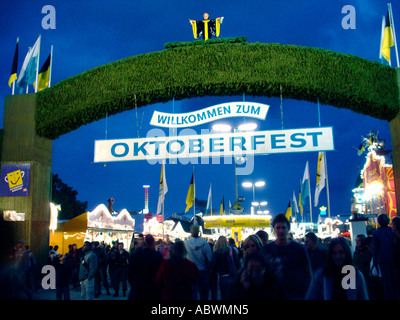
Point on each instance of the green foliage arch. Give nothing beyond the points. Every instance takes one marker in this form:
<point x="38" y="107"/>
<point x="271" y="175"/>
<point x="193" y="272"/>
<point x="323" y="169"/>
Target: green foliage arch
<point x="222" y="67"/>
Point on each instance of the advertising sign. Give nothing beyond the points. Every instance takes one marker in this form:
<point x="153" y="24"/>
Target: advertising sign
<point x="15" y="180"/>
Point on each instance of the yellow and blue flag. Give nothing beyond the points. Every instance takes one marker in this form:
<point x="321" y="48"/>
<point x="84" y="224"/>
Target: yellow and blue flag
<point x="13" y="75"/>
<point x="387" y="39"/>
<point x="190" y="195"/>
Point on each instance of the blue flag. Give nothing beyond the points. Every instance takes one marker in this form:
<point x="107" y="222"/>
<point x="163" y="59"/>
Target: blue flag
<point x="27" y="75"/>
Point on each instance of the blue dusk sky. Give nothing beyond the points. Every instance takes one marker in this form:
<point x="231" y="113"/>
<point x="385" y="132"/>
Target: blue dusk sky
<point x="89" y="34"/>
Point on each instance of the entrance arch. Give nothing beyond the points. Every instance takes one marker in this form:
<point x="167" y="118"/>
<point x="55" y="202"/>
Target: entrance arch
<point x="218" y="69"/>
<point x="196" y="69"/>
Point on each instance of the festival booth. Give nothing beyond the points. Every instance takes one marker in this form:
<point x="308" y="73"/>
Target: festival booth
<point x="107" y="227"/>
<point x="179" y="227"/>
<point x="69" y="232"/>
<point x="379" y="183"/>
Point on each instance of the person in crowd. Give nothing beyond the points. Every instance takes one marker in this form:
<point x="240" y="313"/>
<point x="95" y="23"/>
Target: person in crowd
<point x="56" y="251"/>
<point x="289" y="260"/>
<point x="73" y="254"/>
<point x="142" y="269"/>
<point x="327" y="283"/>
<point x="87" y="271"/>
<point x="138" y="244"/>
<point x="111" y="262"/>
<point x="121" y="269"/>
<point x="316" y="254"/>
<point x="51" y="250"/>
<point x="199" y="252"/>
<point x="103" y="267"/>
<point x="31" y="269"/>
<point x="159" y="245"/>
<point x="250" y="244"/>
<point x="63" y="266"/>
<point x="211" y="243"/>
<point x="20" y="273"/>
<point x="256" y="281"/>
<point x="164" y="250"/>
<point x="396" y="230"/>
<point x="101" y="273"/>
<point x="224" y="266"/>
<point x="383" y="243"/>
<point x="263" y="236"/>
<point x="177" y="276"/>
<point x="97" y="278"/>
<point x="232" y="244"/>
<point x="362" y="256"/>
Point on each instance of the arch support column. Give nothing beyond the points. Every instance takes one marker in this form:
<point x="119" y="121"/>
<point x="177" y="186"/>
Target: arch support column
<point x="21" y="144"/>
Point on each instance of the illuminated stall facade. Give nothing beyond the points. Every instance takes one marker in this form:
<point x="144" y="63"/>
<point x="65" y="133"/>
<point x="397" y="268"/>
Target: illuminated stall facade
<point x="379" y="184"/>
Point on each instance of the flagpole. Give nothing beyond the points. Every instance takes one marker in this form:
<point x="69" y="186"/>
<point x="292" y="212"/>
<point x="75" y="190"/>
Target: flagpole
<point x="163" y="231"/>
<point x="163" y="174"/>
<point x="211" y="197"/>
<point x="37" y="64"/>
<point x="51" y="66"/>
<point x="194" y="198"/>
<point x="13" y="84"/>
<point x="309" y="188"/>
<point x="382" y="34"/>
<point x="394" y="32"/>
<point x="301" y="208"/>
<point x="327" y="186"/>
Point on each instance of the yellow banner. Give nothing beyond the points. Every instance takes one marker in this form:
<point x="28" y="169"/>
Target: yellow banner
<point x="236" y="221"/>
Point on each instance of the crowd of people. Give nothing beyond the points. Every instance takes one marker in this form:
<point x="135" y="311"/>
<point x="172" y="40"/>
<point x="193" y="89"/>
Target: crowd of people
<point x="196" y="269"/>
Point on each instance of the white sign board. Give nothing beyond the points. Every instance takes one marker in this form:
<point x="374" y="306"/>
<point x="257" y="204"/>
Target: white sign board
<point x="215" y="145"/>
<point x="217" y="112"/>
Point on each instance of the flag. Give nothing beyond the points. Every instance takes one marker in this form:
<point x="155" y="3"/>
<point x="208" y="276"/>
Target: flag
<point x="44" y="75"/>
<point x="13" y="75"/>
<point x="162" y="190"/>
<point x="295" y="207"/>
<point x="320" y="177"/>
<point x="288" y="213"/>
<point x="190" y="195"/>
<point x="300" y="204"/>
<point x="27" y="75"/>
<point x="305" y="189"/>
<point x="387" y="38"/>
<point x="209" y="201"/>
<point x="222" y="209"/>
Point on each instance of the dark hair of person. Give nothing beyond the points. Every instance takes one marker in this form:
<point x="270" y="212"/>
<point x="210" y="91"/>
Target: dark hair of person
<point x="255" y="256"/>
<point x="231" y="241"/>
<point x="177" y="252"/>
<point x="383" y="220"/>
<point x="262" y="234"/>
<point x="362" y="238"/>
<point x="149" y="240"/>
<point x="280" y="218"/>
<point x="396" y="223"/>
<point x="312" y="237"/>
<point x="330" y="267"/>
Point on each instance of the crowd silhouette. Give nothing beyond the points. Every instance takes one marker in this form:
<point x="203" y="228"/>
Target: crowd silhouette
<point x="196" y="269"/>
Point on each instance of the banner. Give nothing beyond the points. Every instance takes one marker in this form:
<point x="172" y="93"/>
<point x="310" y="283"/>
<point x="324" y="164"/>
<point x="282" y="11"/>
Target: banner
<point x="236" y="221"/>
<point x="214" y="145"/>
<point x="217" y="112"/>
<point x="15" y="180"/>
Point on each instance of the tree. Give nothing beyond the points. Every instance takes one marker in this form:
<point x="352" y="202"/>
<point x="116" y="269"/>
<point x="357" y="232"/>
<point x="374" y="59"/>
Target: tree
<point x="65" y="196"/>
